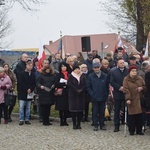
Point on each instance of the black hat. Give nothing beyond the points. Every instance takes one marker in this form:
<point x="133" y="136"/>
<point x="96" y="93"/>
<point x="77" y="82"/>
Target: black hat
<point x="75" y="67"/>
<point x="132" y="58"/>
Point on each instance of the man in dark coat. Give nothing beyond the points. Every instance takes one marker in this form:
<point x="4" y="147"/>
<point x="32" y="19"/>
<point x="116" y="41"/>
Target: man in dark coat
<point x="97" y="87"/>
<point x="88" y="62"/>
<point x="21" y="66"/>
<point x="95" y="54"/>
<point x="25" y="94"/>
<point x="117" y="75"/>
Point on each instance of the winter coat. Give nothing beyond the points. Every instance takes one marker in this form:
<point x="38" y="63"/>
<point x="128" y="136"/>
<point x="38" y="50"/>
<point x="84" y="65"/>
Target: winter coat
<point x="21" y="66"/>
<point x="76" y="100"/>
<point x="4" y="82"/>
<point x="89" y="65"/>
<point x="147" y="82"/>
<point x="98" y="87"/>
<point x="62" y="101"/>
<point x="131" y="93"/>
<point x="116" y="81"/>
<point x="46" y="80"/>
<point x="26" y="82"/>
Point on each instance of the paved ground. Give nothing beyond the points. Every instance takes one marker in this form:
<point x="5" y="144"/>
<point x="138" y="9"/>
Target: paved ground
<point x="39" y="137"/>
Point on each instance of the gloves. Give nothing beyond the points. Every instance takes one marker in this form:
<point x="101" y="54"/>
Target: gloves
<point x="3" y="87"/>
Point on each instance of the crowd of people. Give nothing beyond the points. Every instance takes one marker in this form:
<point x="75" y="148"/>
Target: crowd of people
<point x="72" y="83"/>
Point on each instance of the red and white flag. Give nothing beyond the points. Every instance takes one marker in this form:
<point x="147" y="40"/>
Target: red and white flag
<point x="41" y="56"/>
<point x="146" y="49"/>
<point x="120" y="43"/>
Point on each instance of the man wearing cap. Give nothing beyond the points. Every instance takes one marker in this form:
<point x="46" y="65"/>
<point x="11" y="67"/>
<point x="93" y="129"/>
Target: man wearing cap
<point x="117" y="75"/>
<point x="97" y="87"/>
<point x="88" y="62"/>
<point x="110" y="60"/>
<point x="132" y="61"/>
<point x="95" y="54"/>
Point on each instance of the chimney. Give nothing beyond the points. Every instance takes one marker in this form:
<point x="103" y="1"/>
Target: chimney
<point x="50" y="42"/>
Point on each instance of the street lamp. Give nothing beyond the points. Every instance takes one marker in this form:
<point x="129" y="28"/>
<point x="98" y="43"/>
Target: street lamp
<point x="102" y="48"/>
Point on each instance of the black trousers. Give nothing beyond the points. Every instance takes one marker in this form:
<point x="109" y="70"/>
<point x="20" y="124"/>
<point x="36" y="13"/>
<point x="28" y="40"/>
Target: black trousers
<point x="45" y="109"/>
<point x="5" y="108"/>
<point x="135" y="123"/>
<point x="63" y="115"/>
<point x="77" y="117"/>
<point x="86" y="111"/>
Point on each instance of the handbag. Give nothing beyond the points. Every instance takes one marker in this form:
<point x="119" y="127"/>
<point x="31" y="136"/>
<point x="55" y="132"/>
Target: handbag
<point x="10" y="99"/>
<point x="58" y="92"/>
<point x="106" y="112"/>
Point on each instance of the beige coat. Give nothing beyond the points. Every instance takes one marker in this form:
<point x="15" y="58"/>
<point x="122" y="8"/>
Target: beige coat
<point x="131" y="93"/>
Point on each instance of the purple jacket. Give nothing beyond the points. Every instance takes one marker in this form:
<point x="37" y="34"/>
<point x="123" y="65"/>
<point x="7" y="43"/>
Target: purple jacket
<point x="4" y="82"/>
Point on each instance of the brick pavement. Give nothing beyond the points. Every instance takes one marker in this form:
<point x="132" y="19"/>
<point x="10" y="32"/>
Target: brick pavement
<point x="39" y="137"/>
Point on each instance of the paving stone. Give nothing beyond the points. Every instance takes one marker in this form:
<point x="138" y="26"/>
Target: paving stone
<point x="39" y="137"/>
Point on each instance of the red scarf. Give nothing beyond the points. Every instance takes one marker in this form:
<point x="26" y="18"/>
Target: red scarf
<point x="65" y="73"/>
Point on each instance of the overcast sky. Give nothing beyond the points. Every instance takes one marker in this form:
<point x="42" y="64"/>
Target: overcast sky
<point x="72" y="17"/>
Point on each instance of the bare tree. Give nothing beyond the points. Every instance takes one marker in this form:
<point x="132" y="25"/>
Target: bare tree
<point x="27" y="5"/>
<point x="6" y="23"/>
<point x="5" y="27"/>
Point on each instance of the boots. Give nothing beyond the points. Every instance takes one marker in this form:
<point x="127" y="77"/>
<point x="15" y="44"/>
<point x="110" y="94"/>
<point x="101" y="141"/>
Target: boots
<point x="61" y="122"/>
<point x="78" y="123"/>
<point x="116" y="129"/>
<point x="65" y="122"/>
<point x="9" y="119"/>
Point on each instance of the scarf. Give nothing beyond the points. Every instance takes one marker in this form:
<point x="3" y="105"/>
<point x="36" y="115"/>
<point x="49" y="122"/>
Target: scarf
<point x="65" y="73"/>
<point x="77" y="76"/>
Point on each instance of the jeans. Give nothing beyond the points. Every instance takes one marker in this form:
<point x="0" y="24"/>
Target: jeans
<point x="22" y="104"/>
<point x="98" y="113"/>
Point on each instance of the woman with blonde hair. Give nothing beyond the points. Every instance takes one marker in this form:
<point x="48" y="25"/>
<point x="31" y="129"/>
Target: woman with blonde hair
<point x="70" y="64"/>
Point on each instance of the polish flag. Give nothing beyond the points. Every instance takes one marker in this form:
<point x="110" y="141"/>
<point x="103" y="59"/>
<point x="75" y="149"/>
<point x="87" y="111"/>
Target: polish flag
<point x="41" y="56"/>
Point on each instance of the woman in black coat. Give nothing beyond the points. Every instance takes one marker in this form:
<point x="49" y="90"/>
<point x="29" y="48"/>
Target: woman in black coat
<point x="45" y="84"/>
<point x="62" y="100"/>
<point x="76" y="84"/>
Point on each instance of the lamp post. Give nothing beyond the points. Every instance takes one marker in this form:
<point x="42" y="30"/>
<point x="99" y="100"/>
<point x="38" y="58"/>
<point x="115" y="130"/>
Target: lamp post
<point x="102" y="49"/>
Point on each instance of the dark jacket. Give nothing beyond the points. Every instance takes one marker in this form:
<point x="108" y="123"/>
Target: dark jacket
<point x="147" y="82"/>
<point x="98" y="87"/>
<point x="111" y="63"/>
<point x="26" y="82"/>
<point x="1" y="62"/>
<point x="116" y="81"/>
<point x="46" y="80"/>
<point x="89" y="65"/>
<point x="76" y="100"/>
<point x="21" y="66"/>
<point x="62" y="101"/>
